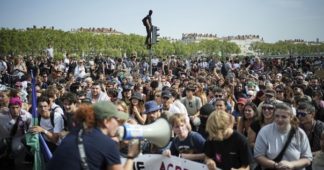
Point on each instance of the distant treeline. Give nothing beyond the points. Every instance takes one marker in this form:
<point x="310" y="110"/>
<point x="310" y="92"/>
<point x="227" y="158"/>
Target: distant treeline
<point x="34" y="41"/>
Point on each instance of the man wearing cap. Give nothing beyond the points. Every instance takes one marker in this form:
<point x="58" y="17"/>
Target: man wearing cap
<point x="126" y="94"/>
<point x="270" y="95"/>
<point x="171" y="103"/>
<point x="95" y="139"/>
<point x="152" y="110"/>
<point x="153" y="113"/>
<point x="13" y="126"/>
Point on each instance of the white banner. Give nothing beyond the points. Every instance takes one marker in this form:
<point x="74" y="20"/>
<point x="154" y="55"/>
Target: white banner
<point x="160" y="162"/>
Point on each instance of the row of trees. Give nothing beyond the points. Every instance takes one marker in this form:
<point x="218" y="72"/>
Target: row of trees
<point x="288" y="48"/>
<point x="35" y="41"/>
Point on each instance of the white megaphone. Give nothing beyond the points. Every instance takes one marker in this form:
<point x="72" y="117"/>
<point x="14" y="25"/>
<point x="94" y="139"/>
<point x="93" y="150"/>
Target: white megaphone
<point x="158" y="132"/>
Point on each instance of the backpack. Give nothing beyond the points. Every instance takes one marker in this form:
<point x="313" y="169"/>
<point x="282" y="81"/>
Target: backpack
<point x="52" y="118"/>
<point x="144" y="21"/>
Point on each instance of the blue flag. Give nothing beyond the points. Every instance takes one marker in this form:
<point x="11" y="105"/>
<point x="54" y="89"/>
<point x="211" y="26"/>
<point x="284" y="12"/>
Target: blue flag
<point x="35" y="140"/>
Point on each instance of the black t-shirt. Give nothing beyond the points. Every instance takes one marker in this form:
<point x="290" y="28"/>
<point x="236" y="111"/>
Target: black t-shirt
<point x="255" y="126"/>
<point x="233" y="152"/>
<point x="101" y="151"/>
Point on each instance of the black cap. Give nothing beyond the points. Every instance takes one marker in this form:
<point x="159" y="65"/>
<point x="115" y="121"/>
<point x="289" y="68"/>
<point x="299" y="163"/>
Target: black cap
<point x="166" y="93"/>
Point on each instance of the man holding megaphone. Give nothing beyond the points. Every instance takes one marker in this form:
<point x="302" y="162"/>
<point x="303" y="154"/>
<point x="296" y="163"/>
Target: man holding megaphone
<point x="93" y="147"/>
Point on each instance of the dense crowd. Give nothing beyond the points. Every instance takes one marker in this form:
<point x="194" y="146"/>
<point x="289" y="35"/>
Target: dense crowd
<point x="242" y="113"/>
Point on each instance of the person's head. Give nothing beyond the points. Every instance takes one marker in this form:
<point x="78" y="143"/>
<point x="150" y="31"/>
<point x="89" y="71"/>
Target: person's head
<point x="269" y="95"/>
<point x="284" y="117"/>
<point x="107" y="117"/>
<point x="121" y="106"/>
<point x="190" y="90"/>
<point x="152" y="110"/>
<point x="51" y="92"/>
<point x="204" y="112"/>
<point x="136" y="99"/>
<point x="43" y="104"/>
<point x="70" y="101"/>
<point x="19" y="85"/>
<point x="95" y="89"/>
<point x="15" y="104"/>
<point x="240" y="104"/>
<point x="267" y="110"/>
<point x="306" y="113"/>
<point x="280" y="92"/>
<point x="220" y="105"/>
<point x="158" y="96"/>
<point x="179" y="125"/>
<point x="250" y="111"/>
<point x="218" y="125"/>
<point x="218" y="93"/>
<point x="127" y="91"/>
<point x="150" y="12"/>
<point x="167" y="99"/>
<point x="4" y="98"/>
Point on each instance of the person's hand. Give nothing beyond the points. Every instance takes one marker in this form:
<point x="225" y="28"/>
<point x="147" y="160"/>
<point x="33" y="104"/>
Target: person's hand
<point x="211" y="164"/>
<point x="285" y="165"/>
<point x="36" y="129"/>
<point x="167" y="153"/>
<point x="134" y="148"/>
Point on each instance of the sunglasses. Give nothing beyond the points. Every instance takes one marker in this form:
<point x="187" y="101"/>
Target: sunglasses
<point x="218" y="95"/>
<point x="18" y="86"/>
<point x="301" y="114"/>
<point x="267" y="108"/>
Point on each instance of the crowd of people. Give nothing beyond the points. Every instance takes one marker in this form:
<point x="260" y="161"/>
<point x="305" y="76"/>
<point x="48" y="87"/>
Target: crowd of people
<point x="235" y="113"/>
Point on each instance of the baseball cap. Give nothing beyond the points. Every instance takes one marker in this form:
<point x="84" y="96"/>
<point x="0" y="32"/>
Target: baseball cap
<point x="166" y="93"/>
<point x="241" y="101"/>
<point x="105" y="109"/>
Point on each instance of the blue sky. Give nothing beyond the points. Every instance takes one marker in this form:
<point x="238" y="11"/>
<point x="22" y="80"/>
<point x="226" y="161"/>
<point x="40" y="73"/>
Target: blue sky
<point x="272" y="19"/>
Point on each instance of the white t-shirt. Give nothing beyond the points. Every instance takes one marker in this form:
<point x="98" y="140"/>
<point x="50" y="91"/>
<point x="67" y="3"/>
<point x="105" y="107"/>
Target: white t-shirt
<point x="58" y="124"/>
<point x="270" y="141"/>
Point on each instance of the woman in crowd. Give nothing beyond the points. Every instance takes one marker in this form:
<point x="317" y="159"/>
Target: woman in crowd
<point x="136" y="108"/>
<point x="250" y="113"/>
<point x="225" y="148"/>
<point x="272" y="138"/>
<point x="265" y="117"/>
<point x="201" y="93"/>
<point x="186" y="143"/>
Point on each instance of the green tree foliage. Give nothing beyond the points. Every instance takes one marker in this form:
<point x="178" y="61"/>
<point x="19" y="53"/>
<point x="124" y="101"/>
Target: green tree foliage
<point x="34" y="41"/>
<point x="288" y="48"/>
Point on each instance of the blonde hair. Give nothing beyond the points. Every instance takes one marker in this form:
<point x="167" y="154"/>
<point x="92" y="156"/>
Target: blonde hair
<point x="217" y="125"/>
<point x="178" y="118"/>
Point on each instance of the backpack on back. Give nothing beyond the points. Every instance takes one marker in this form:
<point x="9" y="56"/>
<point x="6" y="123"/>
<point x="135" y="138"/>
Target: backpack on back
<point x="52" y="118"/>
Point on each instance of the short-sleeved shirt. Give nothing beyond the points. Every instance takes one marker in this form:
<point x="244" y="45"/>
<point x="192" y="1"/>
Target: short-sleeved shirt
<point x="233" y="152"/>
<point x="194" y="143"/>
<point x="270" y="142"/>
<point x="101" y="151"/>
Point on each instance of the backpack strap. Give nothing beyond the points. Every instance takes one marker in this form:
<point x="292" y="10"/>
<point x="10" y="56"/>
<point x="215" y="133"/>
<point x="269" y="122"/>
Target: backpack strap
<point x="52" y="118"/>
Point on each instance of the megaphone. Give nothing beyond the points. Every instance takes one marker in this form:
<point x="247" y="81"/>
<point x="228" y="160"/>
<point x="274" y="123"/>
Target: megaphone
<point x="158" y="132"/>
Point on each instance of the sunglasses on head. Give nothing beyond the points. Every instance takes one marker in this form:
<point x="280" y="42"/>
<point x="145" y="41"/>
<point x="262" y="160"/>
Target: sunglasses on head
<point x="301" y="114"/>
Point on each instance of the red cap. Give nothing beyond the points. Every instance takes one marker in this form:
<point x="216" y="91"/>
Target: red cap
<point x="241" y="101"/>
